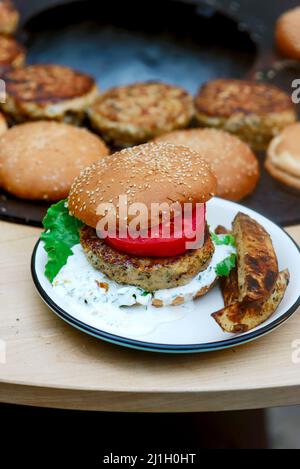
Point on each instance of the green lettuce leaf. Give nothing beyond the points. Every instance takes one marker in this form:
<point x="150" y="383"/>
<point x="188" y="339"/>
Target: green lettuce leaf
<point x="62" y="233"/>
<point x="224" y="268"/>
<point x="227" y="239"/>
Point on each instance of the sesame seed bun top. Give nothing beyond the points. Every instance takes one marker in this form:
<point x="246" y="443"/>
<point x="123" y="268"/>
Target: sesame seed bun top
<point x="225" y="97"/>
<point x="233" y="162"/>
<point x="288" y="33"/>
<point x="150" y="173"/>
<point x="40" y="160"/>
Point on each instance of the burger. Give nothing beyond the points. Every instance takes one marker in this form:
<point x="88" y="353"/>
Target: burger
<point x="133" y="231"/>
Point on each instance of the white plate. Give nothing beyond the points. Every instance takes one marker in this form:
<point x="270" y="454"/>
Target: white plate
<point x="194" y="330"/>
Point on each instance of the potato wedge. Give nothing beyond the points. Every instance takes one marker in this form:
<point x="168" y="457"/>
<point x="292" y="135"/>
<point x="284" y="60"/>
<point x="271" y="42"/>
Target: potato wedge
<point x="242" y="317"/>
<point x="221" y="230"/>
<point x="257" y="261"/>
<point x="229" y="285"/>
<point x="230" y="288"/>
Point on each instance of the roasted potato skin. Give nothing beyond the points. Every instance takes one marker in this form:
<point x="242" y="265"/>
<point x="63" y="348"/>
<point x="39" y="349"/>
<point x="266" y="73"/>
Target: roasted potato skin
<point x="229" y="285"/>
<point x="257" y="260"/>
<point x="221" y="230"/>
<point x="230" y="288"/>
<point x="244" y="316"/>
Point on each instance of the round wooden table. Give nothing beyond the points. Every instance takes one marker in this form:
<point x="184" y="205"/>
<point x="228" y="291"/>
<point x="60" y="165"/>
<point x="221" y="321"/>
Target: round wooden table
<point x="50" y="364"/>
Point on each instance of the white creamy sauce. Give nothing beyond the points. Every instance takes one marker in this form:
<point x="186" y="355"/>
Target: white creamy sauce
<point x="88" y="292"/>
<point x="202" y="280"/>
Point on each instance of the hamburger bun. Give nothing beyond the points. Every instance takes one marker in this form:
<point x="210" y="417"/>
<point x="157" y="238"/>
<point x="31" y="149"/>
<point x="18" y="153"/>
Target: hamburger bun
<point x="9" y="17"/>
<point x="129" y="115"/>
<point x="51" y="92"/>
<point x="255" y="112"/>
<point x="12" y="54"/>
<point x="283" y="157"/>
<point x="150" y="173"/>
<point x="287" y="34"/>
<point x="3" y="125"/>
<point x="234" y="164"/>
<point x="40" y="160"/>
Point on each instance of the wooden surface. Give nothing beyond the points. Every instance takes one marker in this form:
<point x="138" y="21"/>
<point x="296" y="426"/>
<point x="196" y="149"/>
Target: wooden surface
<point x="48" y="363"/>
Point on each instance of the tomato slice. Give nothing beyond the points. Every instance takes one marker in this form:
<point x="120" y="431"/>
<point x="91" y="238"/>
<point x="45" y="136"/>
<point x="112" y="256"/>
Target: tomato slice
<point x="161" y="246"/>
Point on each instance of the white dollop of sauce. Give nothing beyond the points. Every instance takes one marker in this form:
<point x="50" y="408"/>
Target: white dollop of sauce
<point x="118" y="308"/>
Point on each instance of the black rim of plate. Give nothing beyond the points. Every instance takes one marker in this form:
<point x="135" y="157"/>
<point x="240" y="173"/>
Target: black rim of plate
<point x="156" y="347"/>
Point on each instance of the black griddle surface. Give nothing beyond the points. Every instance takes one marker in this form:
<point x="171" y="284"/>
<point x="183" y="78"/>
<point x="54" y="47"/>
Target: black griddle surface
<point x="189" y="47"/>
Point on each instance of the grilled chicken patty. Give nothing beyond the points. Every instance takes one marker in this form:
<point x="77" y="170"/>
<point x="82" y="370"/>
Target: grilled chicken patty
<point x="48" y="92"/>
<point x="133" y="114"/>
<point x="148" y="273"/>
<point x="12" y="54"/>
<point x="255" y="112"/>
